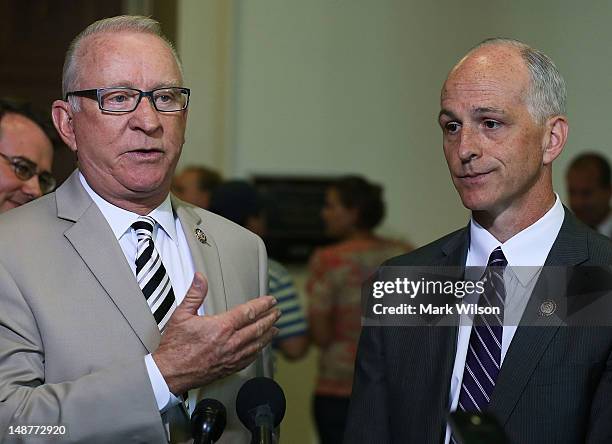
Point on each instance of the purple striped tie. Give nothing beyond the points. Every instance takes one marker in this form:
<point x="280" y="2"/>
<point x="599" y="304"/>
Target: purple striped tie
<point x="483" y="359"/>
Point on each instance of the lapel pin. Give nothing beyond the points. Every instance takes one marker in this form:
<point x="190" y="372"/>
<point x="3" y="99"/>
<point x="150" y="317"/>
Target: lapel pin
<point x="200" y="235"/>
<point x="547" y="307"/>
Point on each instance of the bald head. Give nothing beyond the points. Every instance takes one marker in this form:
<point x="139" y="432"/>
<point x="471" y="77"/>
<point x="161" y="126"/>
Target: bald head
<point x="490" y="70"/>
<point x="546" y="93"/>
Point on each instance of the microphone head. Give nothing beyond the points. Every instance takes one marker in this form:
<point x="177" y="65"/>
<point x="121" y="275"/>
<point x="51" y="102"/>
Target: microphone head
<point x="209" y="416"/>
<point x="258" y="392"/>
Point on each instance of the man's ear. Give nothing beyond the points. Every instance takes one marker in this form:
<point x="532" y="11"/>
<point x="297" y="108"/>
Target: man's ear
<point x="61" y="112"/>
<point x="555" y="137"/>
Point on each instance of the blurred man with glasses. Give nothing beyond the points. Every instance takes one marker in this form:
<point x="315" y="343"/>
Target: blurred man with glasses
<point x="111" y="338"/>
<point x="26" y="155"/>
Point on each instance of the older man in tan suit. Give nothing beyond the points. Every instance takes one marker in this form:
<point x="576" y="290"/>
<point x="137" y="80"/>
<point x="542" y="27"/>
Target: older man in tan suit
<point x="104" y="330"/>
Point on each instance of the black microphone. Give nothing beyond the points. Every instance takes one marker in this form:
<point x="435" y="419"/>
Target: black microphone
<point x="476" y="428"/>
<point x="208" y="421"/>
<point x="260" y="405"/>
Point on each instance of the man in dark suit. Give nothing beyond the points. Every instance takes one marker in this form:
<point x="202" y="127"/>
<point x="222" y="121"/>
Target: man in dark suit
<point x="589" y="190"/>
<point x="503" y="122"/>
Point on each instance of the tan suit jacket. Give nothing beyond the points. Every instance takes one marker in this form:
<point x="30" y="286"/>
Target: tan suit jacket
<point x="74" y="325"/>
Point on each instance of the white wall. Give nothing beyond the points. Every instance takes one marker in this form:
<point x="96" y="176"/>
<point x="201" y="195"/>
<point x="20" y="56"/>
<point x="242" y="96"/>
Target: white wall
<point x="338" y="86"/>
<point x="203" y="42"/>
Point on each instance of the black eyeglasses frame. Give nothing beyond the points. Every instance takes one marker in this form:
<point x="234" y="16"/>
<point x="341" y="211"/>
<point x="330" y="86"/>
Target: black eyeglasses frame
<point x="96" y="94"/>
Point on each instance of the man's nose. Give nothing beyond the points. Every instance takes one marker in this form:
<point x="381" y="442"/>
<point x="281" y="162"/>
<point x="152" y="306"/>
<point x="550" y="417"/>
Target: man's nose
<point x="145" y="117"/>
<point x="469" y="147"/>
<point x="31" y="188"/>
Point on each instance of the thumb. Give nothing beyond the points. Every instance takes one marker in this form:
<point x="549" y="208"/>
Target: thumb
<point x="195" y="295"/>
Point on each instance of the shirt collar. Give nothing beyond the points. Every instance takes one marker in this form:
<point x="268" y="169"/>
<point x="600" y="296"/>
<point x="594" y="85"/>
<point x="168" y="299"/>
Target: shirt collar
<point x="526" y="250"/>
<point x="121" y="220"/>
<point x="605" y="227"/>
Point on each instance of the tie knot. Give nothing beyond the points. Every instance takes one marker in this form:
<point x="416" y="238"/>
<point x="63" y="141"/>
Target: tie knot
<point x="497" y="258"/>
<point x="144" y="226"/>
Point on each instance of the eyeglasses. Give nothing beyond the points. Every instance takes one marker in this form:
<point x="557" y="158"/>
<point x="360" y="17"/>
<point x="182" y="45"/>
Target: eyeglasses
<point x="25" y="169"/>
<point x="125" y="100"/>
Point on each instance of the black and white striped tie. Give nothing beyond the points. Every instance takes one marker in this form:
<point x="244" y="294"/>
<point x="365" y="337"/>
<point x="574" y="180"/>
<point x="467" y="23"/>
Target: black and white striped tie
<point x="151" y="273"/>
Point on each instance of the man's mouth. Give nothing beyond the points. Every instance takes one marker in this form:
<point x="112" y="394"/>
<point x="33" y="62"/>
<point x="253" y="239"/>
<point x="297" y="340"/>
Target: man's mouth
<point x="145" y="150"/>
<point x="473" y="177"/>
<point x="145" y="153"/>
<point x="17" y="203"/>
<point x="473" y="174"/>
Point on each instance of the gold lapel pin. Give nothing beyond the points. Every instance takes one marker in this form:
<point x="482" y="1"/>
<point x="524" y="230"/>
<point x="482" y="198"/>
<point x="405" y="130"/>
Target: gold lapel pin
<point x="547" y="307"/>
<point x="200" y="235"/>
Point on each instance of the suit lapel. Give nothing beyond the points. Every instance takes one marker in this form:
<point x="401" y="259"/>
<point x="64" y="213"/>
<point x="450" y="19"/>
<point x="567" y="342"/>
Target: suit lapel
<point x="205" y="256"/>
<point x="456" y="249"/>
<point x="530" y="341"/>
<point x="94" y="241"/>
<point x="444" y="339"/>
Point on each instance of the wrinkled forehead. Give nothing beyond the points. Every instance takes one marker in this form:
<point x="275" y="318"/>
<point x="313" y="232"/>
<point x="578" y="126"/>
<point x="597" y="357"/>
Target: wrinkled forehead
<point x="127" y="58"/>
<point x="495" y="70"/>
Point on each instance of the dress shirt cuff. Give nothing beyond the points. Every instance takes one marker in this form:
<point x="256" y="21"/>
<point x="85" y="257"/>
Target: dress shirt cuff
<point x="165" y="399"/>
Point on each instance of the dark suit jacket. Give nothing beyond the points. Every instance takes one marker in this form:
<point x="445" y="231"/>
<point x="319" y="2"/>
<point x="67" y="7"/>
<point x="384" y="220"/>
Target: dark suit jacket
<point x="555" y="385"/>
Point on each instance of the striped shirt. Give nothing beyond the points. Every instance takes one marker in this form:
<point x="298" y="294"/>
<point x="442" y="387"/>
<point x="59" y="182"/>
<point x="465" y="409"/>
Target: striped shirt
<point x="292" y="321"/>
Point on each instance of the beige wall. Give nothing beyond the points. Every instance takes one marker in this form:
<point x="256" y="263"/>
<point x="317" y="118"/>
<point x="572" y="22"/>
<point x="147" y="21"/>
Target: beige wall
<point x="204" y="32"/>
<point x="336" y="86"/>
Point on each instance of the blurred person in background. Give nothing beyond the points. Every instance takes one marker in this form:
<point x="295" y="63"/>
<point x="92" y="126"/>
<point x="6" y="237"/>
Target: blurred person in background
<point x="353" y="208"/>
<point x="26" y="155"/>
<point x="195" y="184"/>
<point x="240" y="202"/>
<point x="589" y="188"/>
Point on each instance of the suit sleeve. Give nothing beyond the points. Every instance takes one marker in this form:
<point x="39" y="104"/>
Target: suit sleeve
<point x="264" y="361"/>
<point x="368" y="418"/>
<point x="600" y="422"/>
<point x="115" y="404"/>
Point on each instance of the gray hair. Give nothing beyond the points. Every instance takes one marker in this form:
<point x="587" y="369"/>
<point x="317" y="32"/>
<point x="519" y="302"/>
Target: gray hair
<point x="129" y="23"/>
<point x="547" y="93"/>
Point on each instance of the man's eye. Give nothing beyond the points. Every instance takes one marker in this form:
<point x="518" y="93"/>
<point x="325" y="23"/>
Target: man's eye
<point x="165" y="97"/>
<point x="117" y="98"/>
<point x="23" y="170"/>
<point x="452" y="127"/>
<point x="492" y="124"/>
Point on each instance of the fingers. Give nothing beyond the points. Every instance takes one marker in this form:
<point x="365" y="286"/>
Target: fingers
<point x="195" y="295"/>
<point x="257" y="331"/>
<point x="250" y="350"/>
<point x="248" y="353"/>
<point x="203" y="349"/>
<point x="244" y="314"/>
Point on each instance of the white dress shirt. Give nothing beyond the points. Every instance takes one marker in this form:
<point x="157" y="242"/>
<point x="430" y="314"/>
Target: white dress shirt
<point x="171" y="245"/>
<point x="605" y="227"/>
<point x="527" y="251"/>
